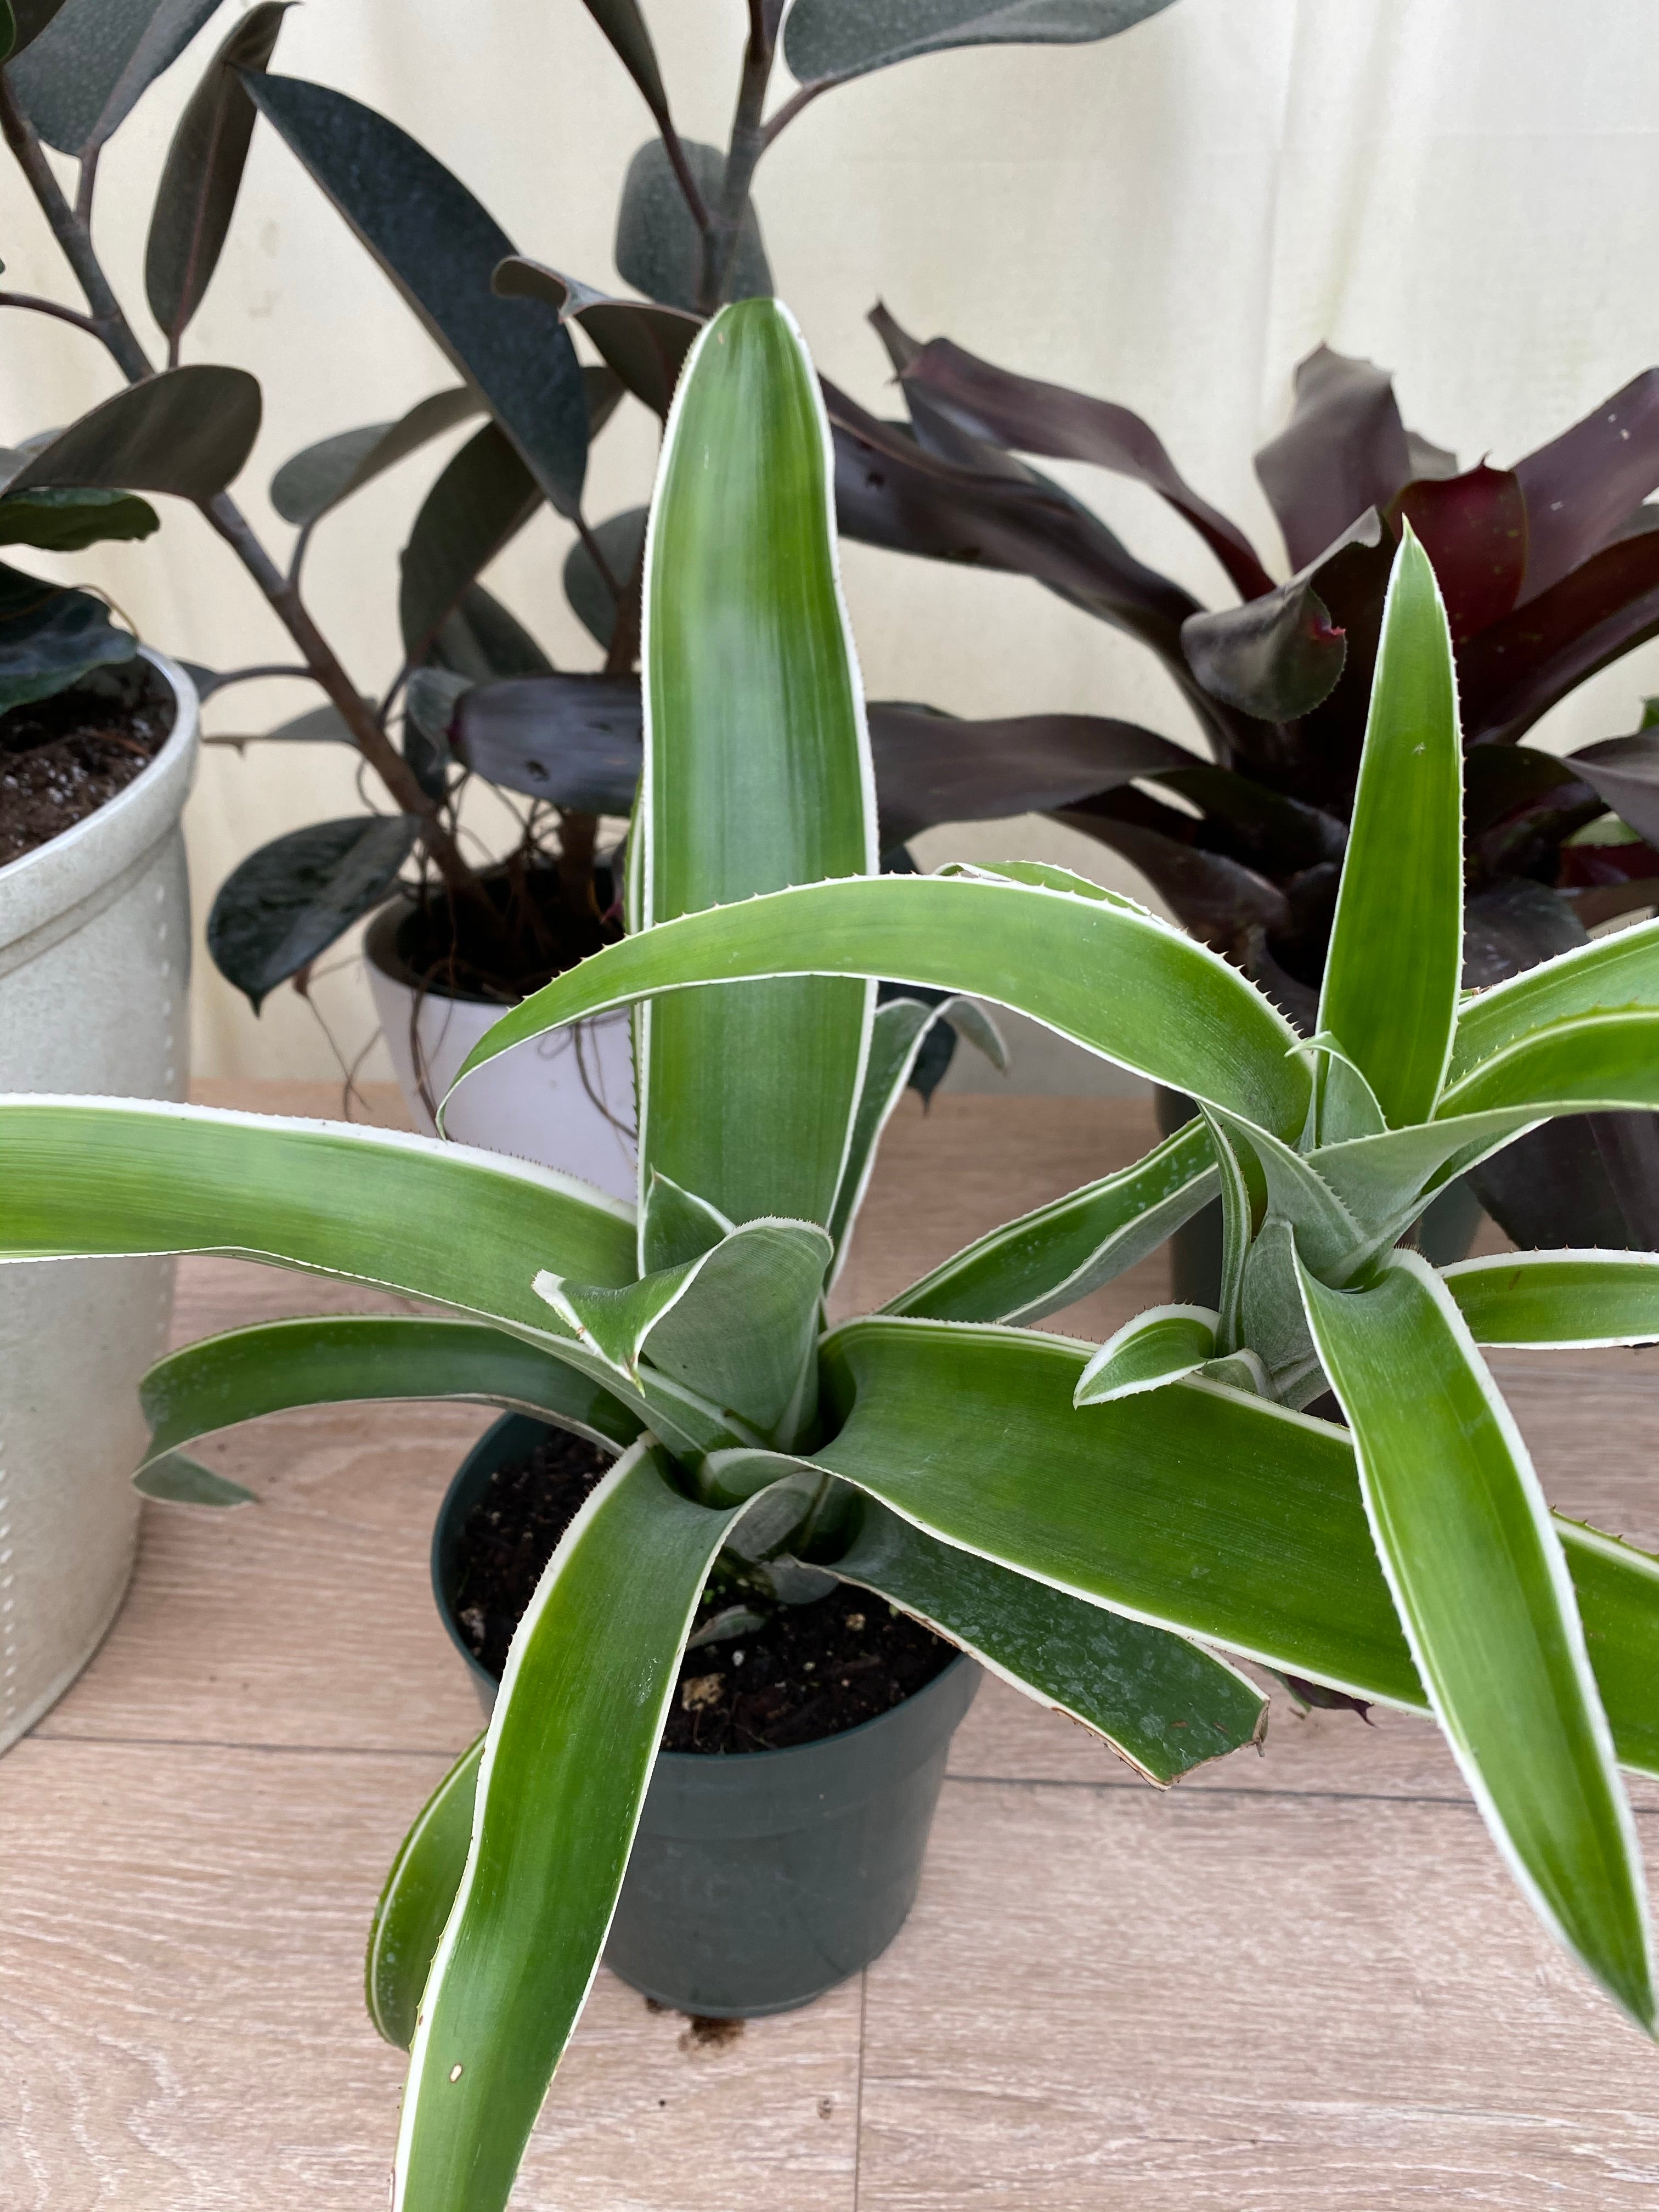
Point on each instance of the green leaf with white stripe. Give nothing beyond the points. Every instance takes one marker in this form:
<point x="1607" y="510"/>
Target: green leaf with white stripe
<point x="1552" y="1300"/>
<point x="1609" y="974"/>
<point x="1050" y="1258"/>
<point x="898" y="1032"/>
<point x="1391" y="976"/>
<point x="676" y="1225"/>
<point x="1573" y="1067"/>
<point x="1385" y="1181"/>
<point x="738" y="1325"/>
<point x="175" y="1479"/>
<point x="1157" y="1347"/>
<point x="1284" y="1185"/>
<point x="1197" y="1509"/>
<point x="334" y="1359"/>
<point x="468" y="1230"/>
<point x="417" y="1899"/>
<point x="757" y="770"/>
<point x="565" y="1767"/>
<point x="1106" y="974"/>
<point x="1484" y="1594"/>
<point x="1158" y="1700"/>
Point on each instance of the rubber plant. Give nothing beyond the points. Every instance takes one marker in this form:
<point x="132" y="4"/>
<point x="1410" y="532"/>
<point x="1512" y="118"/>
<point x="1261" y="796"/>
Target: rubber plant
<point x="1098" y="1525"/>
<point x="474" y="693"/>
<point x="1550" y="570"/>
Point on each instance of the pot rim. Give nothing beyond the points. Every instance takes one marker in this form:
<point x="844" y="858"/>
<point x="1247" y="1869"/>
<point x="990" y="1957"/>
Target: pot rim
<point x="706" y="1760"/>
<point x="50" y="880"/>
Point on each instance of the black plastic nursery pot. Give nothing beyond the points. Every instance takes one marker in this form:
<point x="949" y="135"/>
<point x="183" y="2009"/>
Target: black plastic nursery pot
<point x="761" y="1879"/>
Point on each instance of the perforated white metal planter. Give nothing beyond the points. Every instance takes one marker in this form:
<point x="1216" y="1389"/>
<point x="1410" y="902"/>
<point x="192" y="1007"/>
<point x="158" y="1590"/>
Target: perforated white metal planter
<point x="95" y="968"/>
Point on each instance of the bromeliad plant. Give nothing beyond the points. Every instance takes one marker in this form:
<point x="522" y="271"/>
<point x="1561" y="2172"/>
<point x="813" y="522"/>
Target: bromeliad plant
<point x="1088" y="1522"/>
<point x="1550" y="570"/>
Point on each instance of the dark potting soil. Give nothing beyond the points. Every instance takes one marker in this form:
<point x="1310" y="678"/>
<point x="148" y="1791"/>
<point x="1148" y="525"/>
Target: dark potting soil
<point x="812" y="1671"/>
<point x="61" y="758"/>
<point x="521" y="935"/>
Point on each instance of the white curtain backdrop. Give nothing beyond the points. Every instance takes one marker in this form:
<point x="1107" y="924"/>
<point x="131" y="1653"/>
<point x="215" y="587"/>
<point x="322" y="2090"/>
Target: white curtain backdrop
<point x="1463" y="190"/>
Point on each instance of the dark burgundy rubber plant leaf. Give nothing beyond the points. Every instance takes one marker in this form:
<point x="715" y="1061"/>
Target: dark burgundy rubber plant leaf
<point x="439" y="246"/>
<point x="319" y="477"/>
<point x="1474" y="529"/>
<point x="572" y="739"/>
<point x="1030" y="416"/>
<point x="482" y="499"/>
<point x="485" y="641"/>
<point x="659" y="247"/>
<point x="624" y="25"/>
<point x="644" y="343"/>
<point x="1344" y="450"/>
<point x="828" y="40"/>
<point x="202" y="173"/>
<point x="187" y="431"/>
<point x="1516" y="670"/>
<point x="295" y="896"/>
<point x="1580" y="488"/>
<point x="88" y="64"/>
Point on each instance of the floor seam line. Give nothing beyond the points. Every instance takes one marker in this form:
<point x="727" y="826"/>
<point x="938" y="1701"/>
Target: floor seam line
<point x="234" y="1743"/>
<point x="1233" y="1793"/>
<point x="857" y="2097"/>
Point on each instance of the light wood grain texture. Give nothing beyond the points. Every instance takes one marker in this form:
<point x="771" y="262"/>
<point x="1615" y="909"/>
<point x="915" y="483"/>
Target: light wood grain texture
<point x="182" y="2029"/>
<point x="1300" y="1981"/>
<point x="1192" y="2004"/>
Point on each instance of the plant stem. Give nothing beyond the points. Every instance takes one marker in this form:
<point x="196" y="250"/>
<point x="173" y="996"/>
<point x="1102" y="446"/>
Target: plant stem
<point x="73" y="238"/>
<point x="50" y="308"/>
<point x="676" y="161"/>
<point x="223" y="678"/>
<point x="370" y="739"/>
<point x="109" y="323"/>
<point x="792" y="107"/>
<point x="720" y="244"/>
<point x="577" y="834"/>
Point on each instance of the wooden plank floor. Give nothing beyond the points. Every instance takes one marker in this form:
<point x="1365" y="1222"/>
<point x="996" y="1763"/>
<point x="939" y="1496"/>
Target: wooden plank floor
<point x="1299" y="1981"/>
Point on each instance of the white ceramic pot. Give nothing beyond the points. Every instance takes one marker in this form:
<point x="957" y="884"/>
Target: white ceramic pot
<point x="95" y="968"/>
<point x="565" y="1101"/>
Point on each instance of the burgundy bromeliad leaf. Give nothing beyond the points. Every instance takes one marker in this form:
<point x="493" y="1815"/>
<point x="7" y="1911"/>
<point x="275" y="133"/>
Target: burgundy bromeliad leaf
<point x="1474" y="529"/>
<point x="1580" y="488"/>
<point x="932" y="767"/>
<point x="890" y="492"/>
<point x="1624" y="773"/>
<point x="1031" y="416"/>
<point x="1227" y="904"/>
<point x="1277" y="656"/>
<point x="1344" y="450"/>
<point x="1517" y="669"/>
